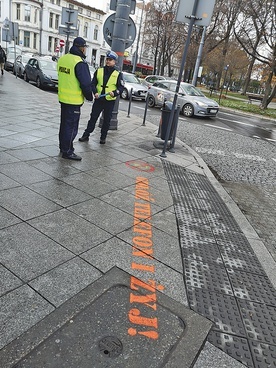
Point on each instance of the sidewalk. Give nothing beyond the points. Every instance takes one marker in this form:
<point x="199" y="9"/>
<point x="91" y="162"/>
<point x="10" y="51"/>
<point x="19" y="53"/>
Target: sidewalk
<point x="124" y="259"/>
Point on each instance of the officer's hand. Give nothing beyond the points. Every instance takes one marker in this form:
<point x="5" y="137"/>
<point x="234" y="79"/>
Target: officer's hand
<point x="96" y="95"/>
<point x="111" y="94"/>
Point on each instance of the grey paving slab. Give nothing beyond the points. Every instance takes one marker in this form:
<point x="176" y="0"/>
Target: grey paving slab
<point x="212" y="357"/>
<point x="8" y="280"/>
<point x="28" y="253"/>
<point x="59" y="192"/>
<point x="20" y="309"/>
<point x="69" y="230"/>
<point x="102" y="214"/>
<point x="166" y="248"/>
<point x="53" y="166"/>
<point x="110" y="176"/>
<point x="26" y="154"/>
<point x="7" y="218"/>
<point x="25" y="203"/>
<point x="23" y="173"/>
<point x="80" y="332"/>
<point x="6" y="182"/>
<point x="119" y="253"/>
<point x="89" y="184"/>
<point x="65" y="281"/>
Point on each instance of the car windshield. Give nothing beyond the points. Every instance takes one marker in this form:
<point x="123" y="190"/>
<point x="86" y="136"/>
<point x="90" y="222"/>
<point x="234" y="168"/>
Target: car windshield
<point x="191" y="90"/>
<point x="48" y="64"/>
<point x="129" y="78"/>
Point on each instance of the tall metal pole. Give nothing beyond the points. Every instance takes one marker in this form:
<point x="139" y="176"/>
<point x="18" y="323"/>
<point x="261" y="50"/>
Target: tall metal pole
<point x="199" y="55"/>
<point x="118" y="45"/>
<point x="184" y="56"/>
<point x="138" y="40"/>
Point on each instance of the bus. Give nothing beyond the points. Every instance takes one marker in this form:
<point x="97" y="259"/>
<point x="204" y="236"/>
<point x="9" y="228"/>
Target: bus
<point x="141" y="69"/>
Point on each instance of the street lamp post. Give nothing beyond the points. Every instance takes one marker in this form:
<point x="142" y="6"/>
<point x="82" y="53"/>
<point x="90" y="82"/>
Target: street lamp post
<point x="6" y="26"/>
<point x="138" y="40"/>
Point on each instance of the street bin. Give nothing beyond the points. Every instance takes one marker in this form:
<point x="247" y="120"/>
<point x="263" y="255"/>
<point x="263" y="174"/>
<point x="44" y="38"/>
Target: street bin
<point x="166" y="110"/>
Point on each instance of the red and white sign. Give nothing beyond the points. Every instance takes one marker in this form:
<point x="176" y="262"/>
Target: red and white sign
<point x="57" y="49"/>
<point x="61" y="43"/>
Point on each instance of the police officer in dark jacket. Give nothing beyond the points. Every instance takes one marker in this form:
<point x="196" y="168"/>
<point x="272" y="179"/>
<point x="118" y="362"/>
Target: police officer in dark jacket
<point x="107" y="84"/>
<point x="3" y="59"/>
<point x="74" y="84"/>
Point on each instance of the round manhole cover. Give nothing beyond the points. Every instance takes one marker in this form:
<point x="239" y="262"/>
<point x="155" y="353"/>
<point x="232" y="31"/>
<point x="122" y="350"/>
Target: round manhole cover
<point x="110" y="346"/>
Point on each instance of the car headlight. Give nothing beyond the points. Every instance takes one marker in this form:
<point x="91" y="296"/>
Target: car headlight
<point x="201" y="104"/>
<point x="46" y="76"/>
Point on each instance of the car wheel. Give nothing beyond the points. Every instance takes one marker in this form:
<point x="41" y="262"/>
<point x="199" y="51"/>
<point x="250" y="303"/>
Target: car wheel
<point x="188" y="110"/>
<point x="26" y="79"/>
<point x="151" y="101"/>
<point x="38" y="82"/>
<point x="124" y="94"/>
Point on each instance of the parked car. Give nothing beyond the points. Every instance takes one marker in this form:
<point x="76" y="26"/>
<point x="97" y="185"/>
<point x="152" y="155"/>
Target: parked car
<point x="12" y="53"/>
<point x="19" y="65"/>
<point x="150" y="79"/>
<point x="43" y="71"/>
<point x="191" y="100"/>
<point x="132" y="82"/>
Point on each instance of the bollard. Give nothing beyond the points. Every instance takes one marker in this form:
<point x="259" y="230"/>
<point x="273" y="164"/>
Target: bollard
<point x="176" y="116"/>
<point x="146" y="109"/>
<point x="129" y="103"/>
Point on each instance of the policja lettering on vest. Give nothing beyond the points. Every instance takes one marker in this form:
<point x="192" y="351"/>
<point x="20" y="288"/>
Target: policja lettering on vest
<point x="107" y="85"/>
<point x="74" y="85"/>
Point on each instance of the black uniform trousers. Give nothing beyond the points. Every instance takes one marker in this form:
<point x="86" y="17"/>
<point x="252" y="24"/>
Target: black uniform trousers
<point x="69" y="124"/>
<point x="99" y="105"/>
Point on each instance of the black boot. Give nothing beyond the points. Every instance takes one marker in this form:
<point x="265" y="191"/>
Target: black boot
<point x="84" y="138"/>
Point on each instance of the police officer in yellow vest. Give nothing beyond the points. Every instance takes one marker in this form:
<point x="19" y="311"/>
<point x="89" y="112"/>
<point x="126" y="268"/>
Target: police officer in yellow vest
<point x="74" y="85"/>
<point x="107" y="84"/>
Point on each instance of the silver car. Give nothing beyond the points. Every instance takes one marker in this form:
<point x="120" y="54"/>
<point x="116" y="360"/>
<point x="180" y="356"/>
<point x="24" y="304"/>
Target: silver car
<point x="43" y="71"/>
<point x="191" y="100"/>
<point x="19" y="64"/>
<point x="132" y="82"/>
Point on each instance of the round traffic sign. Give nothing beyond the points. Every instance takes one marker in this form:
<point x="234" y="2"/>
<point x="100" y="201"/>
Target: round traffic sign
<point x="61" y="43"/>
<point x="108" y="28"/>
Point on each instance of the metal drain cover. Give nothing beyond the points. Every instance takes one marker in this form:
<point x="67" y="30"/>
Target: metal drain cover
<point x="102" y="327"/>
<point x="110" y="346"/>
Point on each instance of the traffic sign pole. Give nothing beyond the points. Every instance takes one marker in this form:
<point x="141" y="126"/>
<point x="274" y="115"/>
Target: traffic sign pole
<point x="118" y="45"/>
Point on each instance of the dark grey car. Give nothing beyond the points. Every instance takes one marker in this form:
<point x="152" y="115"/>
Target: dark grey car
<point x="43" y="71"/>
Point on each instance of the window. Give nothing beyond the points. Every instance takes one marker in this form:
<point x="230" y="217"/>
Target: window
<point x="89" y="13"/>
<point x="26" y="39"/>
<point x="58" y="2"/>
<point x="80" y="10"/>
<point x="35" y="41"/>
<point x="17" y="11"/>
<point x="98" y="16"/>
<point x="96" y="32"/>
<point x="85" y="29"/>
<point x="27" y="16"/>
<point x="52" y="1"/>
<point x="51" y="20"/>
<point x="57" y="21"/>
<point x="35" y="15"/>
<point x="71" y="6"/>
<point x="50" y="42"/>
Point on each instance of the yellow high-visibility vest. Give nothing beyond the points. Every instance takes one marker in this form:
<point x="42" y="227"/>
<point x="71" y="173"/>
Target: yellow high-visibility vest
<point x="69" y="90"/>
<point x="111" y="83"/>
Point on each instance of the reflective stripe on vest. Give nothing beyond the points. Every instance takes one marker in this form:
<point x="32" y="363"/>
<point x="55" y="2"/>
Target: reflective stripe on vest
<point x="69" y="90"/>
<point x="111" y="83"/>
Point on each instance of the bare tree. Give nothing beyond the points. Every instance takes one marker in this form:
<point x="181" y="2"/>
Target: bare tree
<point x="256" y="32"/>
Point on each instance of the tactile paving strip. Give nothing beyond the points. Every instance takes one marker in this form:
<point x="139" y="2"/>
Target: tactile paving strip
<point x="252" y="287"/>
<point x="236" y="347"/>
<point x="207" y="276"/>
<point x="205" y="253"/>
<point x="264" y="355"/>
<point x="240" y="318"/>
<point x="241" y="260"/>
<point x="259" y="321"/>
<point x="220" y="308"/>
